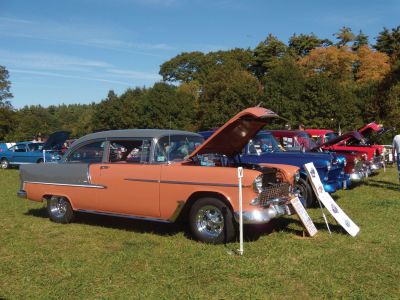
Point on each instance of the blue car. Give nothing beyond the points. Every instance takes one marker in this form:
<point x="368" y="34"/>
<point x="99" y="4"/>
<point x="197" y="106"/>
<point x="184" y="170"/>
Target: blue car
<point x="264" y="148"/>
<point x="33" y="152"/>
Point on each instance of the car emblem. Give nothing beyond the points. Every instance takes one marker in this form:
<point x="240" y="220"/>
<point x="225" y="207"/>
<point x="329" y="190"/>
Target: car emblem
<point x="334" y="208"/>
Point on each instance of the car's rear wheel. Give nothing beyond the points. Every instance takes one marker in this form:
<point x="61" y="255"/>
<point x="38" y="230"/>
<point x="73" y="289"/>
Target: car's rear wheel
<point x="59" y="209"/>
<point x="40" y="161"/>
<point x="5" y="164"/>
<point x="211" y="221"/>
<point x="304" y="191"/>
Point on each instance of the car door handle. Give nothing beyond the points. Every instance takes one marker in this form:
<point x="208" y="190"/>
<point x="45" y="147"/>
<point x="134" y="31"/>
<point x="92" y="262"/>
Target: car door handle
<point x="104" y="167"/>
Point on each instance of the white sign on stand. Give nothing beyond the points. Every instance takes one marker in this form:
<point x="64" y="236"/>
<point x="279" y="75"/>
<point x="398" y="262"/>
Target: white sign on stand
<point x="240" y="176"/>
<point x="304" y="216"/>
<point x="330" y="204"/>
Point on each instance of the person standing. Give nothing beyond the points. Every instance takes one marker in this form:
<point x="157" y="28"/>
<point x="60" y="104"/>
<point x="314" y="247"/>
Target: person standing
<point x="396" y="152"/>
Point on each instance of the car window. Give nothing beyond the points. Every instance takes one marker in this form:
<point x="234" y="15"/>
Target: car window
<point x="130" y="151"/>
<point x="264" y="143"/>
<point x="18" y="148"/>
<point x="89" y="153"/>
<point x="35" y="147"/>
<point x="175" y="148"/>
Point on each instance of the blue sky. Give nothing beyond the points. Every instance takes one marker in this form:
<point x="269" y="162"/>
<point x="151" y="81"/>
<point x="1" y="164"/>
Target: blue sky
<point x="74" y="51"/>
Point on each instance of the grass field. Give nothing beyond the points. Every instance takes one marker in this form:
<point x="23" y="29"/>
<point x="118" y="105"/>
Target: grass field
<point x="105" y="257"/>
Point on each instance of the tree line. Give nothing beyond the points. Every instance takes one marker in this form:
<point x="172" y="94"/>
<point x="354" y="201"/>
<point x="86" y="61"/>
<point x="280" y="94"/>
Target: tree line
<point x="317" y="82"/>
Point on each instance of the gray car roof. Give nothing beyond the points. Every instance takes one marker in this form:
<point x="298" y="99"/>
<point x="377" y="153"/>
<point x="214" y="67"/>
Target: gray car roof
<point x="133" y="133"/>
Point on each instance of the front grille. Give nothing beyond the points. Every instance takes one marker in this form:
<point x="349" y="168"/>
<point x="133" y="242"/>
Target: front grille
<point x="278" y="190"/>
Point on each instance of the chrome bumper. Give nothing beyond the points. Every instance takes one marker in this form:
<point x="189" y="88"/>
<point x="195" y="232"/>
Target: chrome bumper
<point x="263" y="215"/>
<point x="22" y="194"/>
<point x="357" y="176"/>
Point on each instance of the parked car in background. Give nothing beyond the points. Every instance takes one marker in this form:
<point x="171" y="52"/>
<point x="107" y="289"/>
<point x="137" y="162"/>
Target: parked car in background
<point x="163" y="175"/>
<point x="321" y="136"/>
<point x="34" y="152"/>
<point x="357" y="163"/>
<point x="356" y="143"/>
<point x="5" y="146"/>
<point x="264" y="148"/>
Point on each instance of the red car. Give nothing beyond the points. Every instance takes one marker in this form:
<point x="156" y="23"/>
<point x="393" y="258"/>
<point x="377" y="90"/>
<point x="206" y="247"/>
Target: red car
<point x="296" y="140"/>
<point x="364" y="140"/>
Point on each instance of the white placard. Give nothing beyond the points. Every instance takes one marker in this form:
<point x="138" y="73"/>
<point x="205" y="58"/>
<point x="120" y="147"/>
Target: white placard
<point x="240" y="176"/>
<point x="330" y="204"/>
<point x="304" y="216"/>
<point x="339" y="215"/>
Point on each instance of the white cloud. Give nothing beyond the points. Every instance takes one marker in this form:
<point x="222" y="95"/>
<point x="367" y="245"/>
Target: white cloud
<point x="52" y="74"/>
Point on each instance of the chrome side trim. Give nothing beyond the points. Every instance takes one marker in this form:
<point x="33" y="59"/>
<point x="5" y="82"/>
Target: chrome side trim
<point x="184" y="182"/>
<point x="142" y="180"/>
<point x="177" y="211"/>
<point x="200" y="183"/>
<point x="94" y="186"/>
<point x="123" y="216"/>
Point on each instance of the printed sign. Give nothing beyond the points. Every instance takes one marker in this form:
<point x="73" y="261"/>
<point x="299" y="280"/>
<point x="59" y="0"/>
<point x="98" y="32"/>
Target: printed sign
<point x="314" y="176"/>
<point x="330" y="204"/>
<point x="240" y="172"/>
<point x="304" y="216"/>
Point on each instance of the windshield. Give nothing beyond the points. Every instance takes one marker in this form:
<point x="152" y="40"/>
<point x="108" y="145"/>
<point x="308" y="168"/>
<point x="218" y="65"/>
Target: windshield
<point x="299" y="142"/>
<point x="264" y="143"/>
<point x="176" y="148"/>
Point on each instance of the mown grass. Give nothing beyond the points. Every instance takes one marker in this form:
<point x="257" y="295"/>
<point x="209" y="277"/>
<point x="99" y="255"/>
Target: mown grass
<point x="104" y="257"/>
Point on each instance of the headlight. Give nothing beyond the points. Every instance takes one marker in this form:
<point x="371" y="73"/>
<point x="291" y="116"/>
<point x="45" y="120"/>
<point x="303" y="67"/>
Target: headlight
<point x="297" y="176"/>
<point x="329" y="166"/>
<point x="258" y="184"/>
<point x="345" y="162"/>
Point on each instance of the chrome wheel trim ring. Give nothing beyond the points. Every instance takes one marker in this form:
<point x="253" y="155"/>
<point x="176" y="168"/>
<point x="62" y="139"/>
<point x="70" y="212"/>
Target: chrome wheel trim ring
<point x="210" y="221"/>
<point x="58" y="206"/>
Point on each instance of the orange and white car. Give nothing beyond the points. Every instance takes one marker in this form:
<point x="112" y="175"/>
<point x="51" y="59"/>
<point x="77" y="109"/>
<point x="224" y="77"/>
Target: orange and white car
<point x="163" y="175"/>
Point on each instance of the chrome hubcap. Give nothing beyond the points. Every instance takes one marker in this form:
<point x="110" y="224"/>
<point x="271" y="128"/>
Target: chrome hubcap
<point x="4" y="164"/>
<point x="58" y="206"/>
<point x="210" y="221"/>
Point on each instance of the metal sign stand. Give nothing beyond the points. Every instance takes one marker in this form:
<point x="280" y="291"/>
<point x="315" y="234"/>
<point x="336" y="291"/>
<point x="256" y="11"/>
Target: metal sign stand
<point x="240" y="176"/>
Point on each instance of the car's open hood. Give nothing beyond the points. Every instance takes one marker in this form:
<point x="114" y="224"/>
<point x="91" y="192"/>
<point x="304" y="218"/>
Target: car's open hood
<point x="231" y="137"/>
<point x="353" y="135"/>
<point x="373" y="132"/>
<point x="56" y="140"/>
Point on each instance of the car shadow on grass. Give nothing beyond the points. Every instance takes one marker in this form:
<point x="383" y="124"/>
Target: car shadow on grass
<point x="383" y="184"/>
<point x="139" y="226"/>
<point x="285" y="224"/>
<point x="252" y="233"/>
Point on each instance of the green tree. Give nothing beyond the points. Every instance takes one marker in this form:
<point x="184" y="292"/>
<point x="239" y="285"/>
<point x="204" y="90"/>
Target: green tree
<point x="302" y="44"/>
<point x="360" y="40"/>
<point x="184" y="67"/>
<point x="344" y="36"/>
<point x="32" y="120"/>
<point x="388" y="41"/>
<point x="266" y="53"/>
<point x="165" y="106"/>
<point x="5" y="86"/>
<point x="227" y="90"/>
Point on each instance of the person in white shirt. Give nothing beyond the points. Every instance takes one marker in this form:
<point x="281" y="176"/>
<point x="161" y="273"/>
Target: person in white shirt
<point x="396" y="152"/>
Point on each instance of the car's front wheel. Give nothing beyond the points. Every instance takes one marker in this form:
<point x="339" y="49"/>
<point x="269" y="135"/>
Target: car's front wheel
<point x="5" y="164"/>
<point x="59" y="209"/>
<point x="211" y="221"/>
<point x="304" y="191"/>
